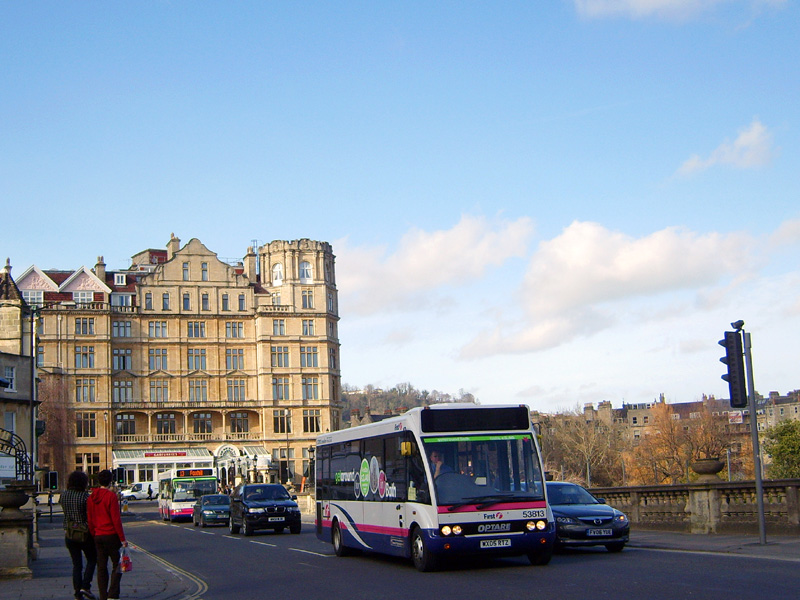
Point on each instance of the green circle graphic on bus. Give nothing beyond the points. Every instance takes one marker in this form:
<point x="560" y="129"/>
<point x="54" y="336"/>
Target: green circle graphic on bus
<point x="364" y="477"/>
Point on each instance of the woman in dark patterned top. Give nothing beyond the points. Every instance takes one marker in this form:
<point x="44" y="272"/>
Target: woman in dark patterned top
<point x="73" y="502"/>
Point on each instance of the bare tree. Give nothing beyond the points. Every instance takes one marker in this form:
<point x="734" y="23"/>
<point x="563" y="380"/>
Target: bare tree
<point x="59" y="427"/>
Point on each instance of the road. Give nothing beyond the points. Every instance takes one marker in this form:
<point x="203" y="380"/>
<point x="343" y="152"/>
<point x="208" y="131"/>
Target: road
<point x="269" y="565"/>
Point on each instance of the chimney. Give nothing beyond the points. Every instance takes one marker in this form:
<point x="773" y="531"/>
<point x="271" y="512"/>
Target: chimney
<point x="100" y="269"/>
<point x="250" y="264"/>
<point x="173" y="245"/>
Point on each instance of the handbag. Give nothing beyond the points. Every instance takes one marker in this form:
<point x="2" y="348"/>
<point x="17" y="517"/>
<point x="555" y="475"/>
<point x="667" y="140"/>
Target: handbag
<point x="77" y="532"/>
<point x="125" y="563"/>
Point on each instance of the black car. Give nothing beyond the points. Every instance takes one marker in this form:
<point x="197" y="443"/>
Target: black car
<point x="263" y="506"/>
<point x="211" y="508"/>
<point x="583" y="520"/>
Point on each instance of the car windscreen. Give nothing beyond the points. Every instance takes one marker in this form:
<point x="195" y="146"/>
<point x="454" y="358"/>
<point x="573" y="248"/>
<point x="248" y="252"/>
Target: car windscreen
<point x="569" y="494"/>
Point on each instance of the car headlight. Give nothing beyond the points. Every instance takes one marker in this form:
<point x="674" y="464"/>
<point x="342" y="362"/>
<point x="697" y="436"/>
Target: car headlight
<point x="566" y="520"/>
<point x="621" y="518"/>
<point x="208" y="512"/>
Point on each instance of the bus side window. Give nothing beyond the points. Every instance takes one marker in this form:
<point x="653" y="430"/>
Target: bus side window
<point x="416" y="475"/>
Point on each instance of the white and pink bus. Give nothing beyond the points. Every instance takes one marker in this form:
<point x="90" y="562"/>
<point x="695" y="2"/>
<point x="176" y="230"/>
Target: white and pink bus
<point x="436" y="482"/>
<point x="179" y="489"/>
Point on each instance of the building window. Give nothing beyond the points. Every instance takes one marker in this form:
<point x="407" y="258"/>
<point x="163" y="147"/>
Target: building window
<point x="282" y="421"/>
<point x="234" y="329"/>
<point x="277" y="274"/>
<point x="204" y="271"/>
<point x="234" y="359"/>
<point x="196" y="359"/>
<point x="332" y="358"/>
<point x="33" y="297"/>
<point x="10" y="374"/>
<point x="126" y="425"/>
<point x="88" y="463"/>
<point x="123" y="391"/>
<point x="308" y="356"/>
<point x="187" y="303"/>
<point x="310" y="388"/>
<point x="308" y="326"/>
<point x="165" y="423"/>
<point x="165" y="301"/>
<point x="242" y="305"/>
<point x="280" y="388"/>
<point x="330" y="302"/>
<point x="157" y="359"/>
<point x="83" y="298"/>
<point x="121" y="359"/>
<point x="225" y="302"/>
<point x="86" y="425"/>
<point x="278" y="326"/>
<point x="236" y="390"/>
<point x="202" y="423"/>
<point x="186" y="271"/>
<point x="311" y="421"/>
<point x="40" y="356"/>
<point x="121" y="329"/>
<point x="276" y="298"/>
<point x="84" y="357"/>
<point x="158" y="329"/>
<point x="305" y="272"/>
<point x="159" y="390"/>
<point x="239" y="422"/>
<point x="204" y="302"/>
<point x="84" y="326"/>
<point x="120" y="279"/>
<point x="148" y="301"/>
<point x="634" y="420"/>
<point x="308" y="298"/>
<point x="121" y="300"/>
<point x="198" y="390"/>
<point x="280" y="356"/>
<point x="646" y="420"/>
<point x="197" y="329"/>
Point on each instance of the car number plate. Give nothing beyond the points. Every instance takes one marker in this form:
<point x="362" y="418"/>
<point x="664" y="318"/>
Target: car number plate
<point x="276" y="518"/>
<point x="502" y="543"/>
<point x="598" y="532"/>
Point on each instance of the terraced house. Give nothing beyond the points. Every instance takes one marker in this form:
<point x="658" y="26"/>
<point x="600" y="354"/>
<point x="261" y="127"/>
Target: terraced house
<point x="184" y="360"/>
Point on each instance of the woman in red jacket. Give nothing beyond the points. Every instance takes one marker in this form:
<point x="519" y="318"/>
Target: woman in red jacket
<point x="105" y="525"/>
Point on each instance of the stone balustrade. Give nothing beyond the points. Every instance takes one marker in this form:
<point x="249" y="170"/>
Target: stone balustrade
<point x="713" y="507"/>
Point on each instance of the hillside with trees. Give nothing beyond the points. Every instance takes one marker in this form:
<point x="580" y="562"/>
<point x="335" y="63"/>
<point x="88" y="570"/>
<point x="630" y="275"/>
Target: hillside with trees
<point x="400" y="398"/>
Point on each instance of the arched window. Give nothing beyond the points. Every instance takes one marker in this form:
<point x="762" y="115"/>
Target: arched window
<point x="305" y="272"/>
<point x="277" y="274"/>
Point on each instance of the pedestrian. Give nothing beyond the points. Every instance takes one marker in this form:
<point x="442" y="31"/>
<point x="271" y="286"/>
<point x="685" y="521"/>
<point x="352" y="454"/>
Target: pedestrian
<point x="77" y="538"/>
<point x="105" y="525"/>
<point x="149" y="492"/>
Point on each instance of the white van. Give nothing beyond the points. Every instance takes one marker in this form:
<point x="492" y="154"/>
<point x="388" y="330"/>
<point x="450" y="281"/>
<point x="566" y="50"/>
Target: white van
<point x="138" y="491"/>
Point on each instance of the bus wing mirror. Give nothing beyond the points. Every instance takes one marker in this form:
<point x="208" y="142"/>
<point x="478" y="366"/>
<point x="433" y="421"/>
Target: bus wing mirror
<point x="405" y="448"/>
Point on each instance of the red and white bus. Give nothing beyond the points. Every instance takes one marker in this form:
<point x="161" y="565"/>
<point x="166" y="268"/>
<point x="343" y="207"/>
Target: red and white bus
<point x="440" y="481"/>
<point x="179" y="489"/>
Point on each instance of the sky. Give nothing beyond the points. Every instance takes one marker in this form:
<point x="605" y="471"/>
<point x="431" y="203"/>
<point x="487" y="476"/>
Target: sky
<point x="550" y="203"/>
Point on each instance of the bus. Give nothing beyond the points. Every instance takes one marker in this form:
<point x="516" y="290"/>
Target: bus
<point x="436" y="482"/>
<point x="179" y="489"/>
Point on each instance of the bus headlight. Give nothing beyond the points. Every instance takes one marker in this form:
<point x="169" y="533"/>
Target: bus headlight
<point x="530" y="525"/>
<point x="446" y="530"/>
<point x="457" y="529"/>
<point x="541" y="525"/>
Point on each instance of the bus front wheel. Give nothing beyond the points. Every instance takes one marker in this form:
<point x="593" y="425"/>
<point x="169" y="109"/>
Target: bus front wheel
<point x="423" y="559"/>
<point x="338" y="543"/>
<point x="541" y="557"/>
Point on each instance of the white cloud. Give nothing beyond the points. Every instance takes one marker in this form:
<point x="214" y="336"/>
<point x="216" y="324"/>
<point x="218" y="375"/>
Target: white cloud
<point x="752" y="148"/>
<point x="372" y="281"/>
<point x="666" y="9"/>
<point x="574" y="280"/>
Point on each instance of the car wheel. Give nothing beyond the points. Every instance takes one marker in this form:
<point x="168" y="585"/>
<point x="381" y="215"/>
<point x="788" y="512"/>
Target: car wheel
<point x="423" y="559"/>
<point x="296" y="528"/>
<point x="232" y="527"/>
<point x="202" y="521"/>
<point x="336" y="539"/>
<point x="541" y="557"/>
<point x="615" y="546"/>
<point x="247" y="528"/>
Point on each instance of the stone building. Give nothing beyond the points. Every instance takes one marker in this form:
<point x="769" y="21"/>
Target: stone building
<point x="184" y="360"/>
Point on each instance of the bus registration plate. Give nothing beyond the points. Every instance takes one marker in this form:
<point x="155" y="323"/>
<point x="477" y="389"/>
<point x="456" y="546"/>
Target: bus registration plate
<point x="275" y="519"/>
<point x="596" y="532"/>
<point x="501" y="543"/>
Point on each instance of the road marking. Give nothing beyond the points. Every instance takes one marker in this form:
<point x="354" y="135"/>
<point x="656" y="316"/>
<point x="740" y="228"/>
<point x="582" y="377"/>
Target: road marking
<point x="202" y="586"/>
<point x="718" y="553"/>
<point x="232" y="537"/>
<point x="264" y="544"/>
<point x="207" y="533"/>
<point x="310" y="552"/>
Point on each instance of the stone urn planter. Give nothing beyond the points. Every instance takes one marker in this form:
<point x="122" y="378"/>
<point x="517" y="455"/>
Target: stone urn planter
<point x="12" y="497"/>
<point x="707" y="469"/>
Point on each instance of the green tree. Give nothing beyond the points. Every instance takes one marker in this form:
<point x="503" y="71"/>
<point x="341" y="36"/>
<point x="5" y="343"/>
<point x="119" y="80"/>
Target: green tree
<point x="782" y="443"/>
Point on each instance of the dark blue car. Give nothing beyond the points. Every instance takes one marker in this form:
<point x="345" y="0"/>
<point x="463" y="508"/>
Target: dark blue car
<point x="211" y="509"/>
<point x="583" y="520"/>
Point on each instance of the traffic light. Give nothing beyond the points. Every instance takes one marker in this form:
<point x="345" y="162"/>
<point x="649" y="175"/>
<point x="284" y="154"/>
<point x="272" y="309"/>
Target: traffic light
<point x="119" y="475"/>
<point x="735" y="361"/>
<point x="51" y="480"/>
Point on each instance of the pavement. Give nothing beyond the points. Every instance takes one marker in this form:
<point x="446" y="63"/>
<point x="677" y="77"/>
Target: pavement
<point x="154" y="579"/>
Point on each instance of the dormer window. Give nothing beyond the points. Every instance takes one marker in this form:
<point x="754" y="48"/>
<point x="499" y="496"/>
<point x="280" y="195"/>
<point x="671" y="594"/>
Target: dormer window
<point x="119" y="279"/>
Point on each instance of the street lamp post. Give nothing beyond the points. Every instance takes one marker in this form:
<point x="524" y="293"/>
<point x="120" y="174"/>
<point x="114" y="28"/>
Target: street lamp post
<point x="286" y="426"/>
